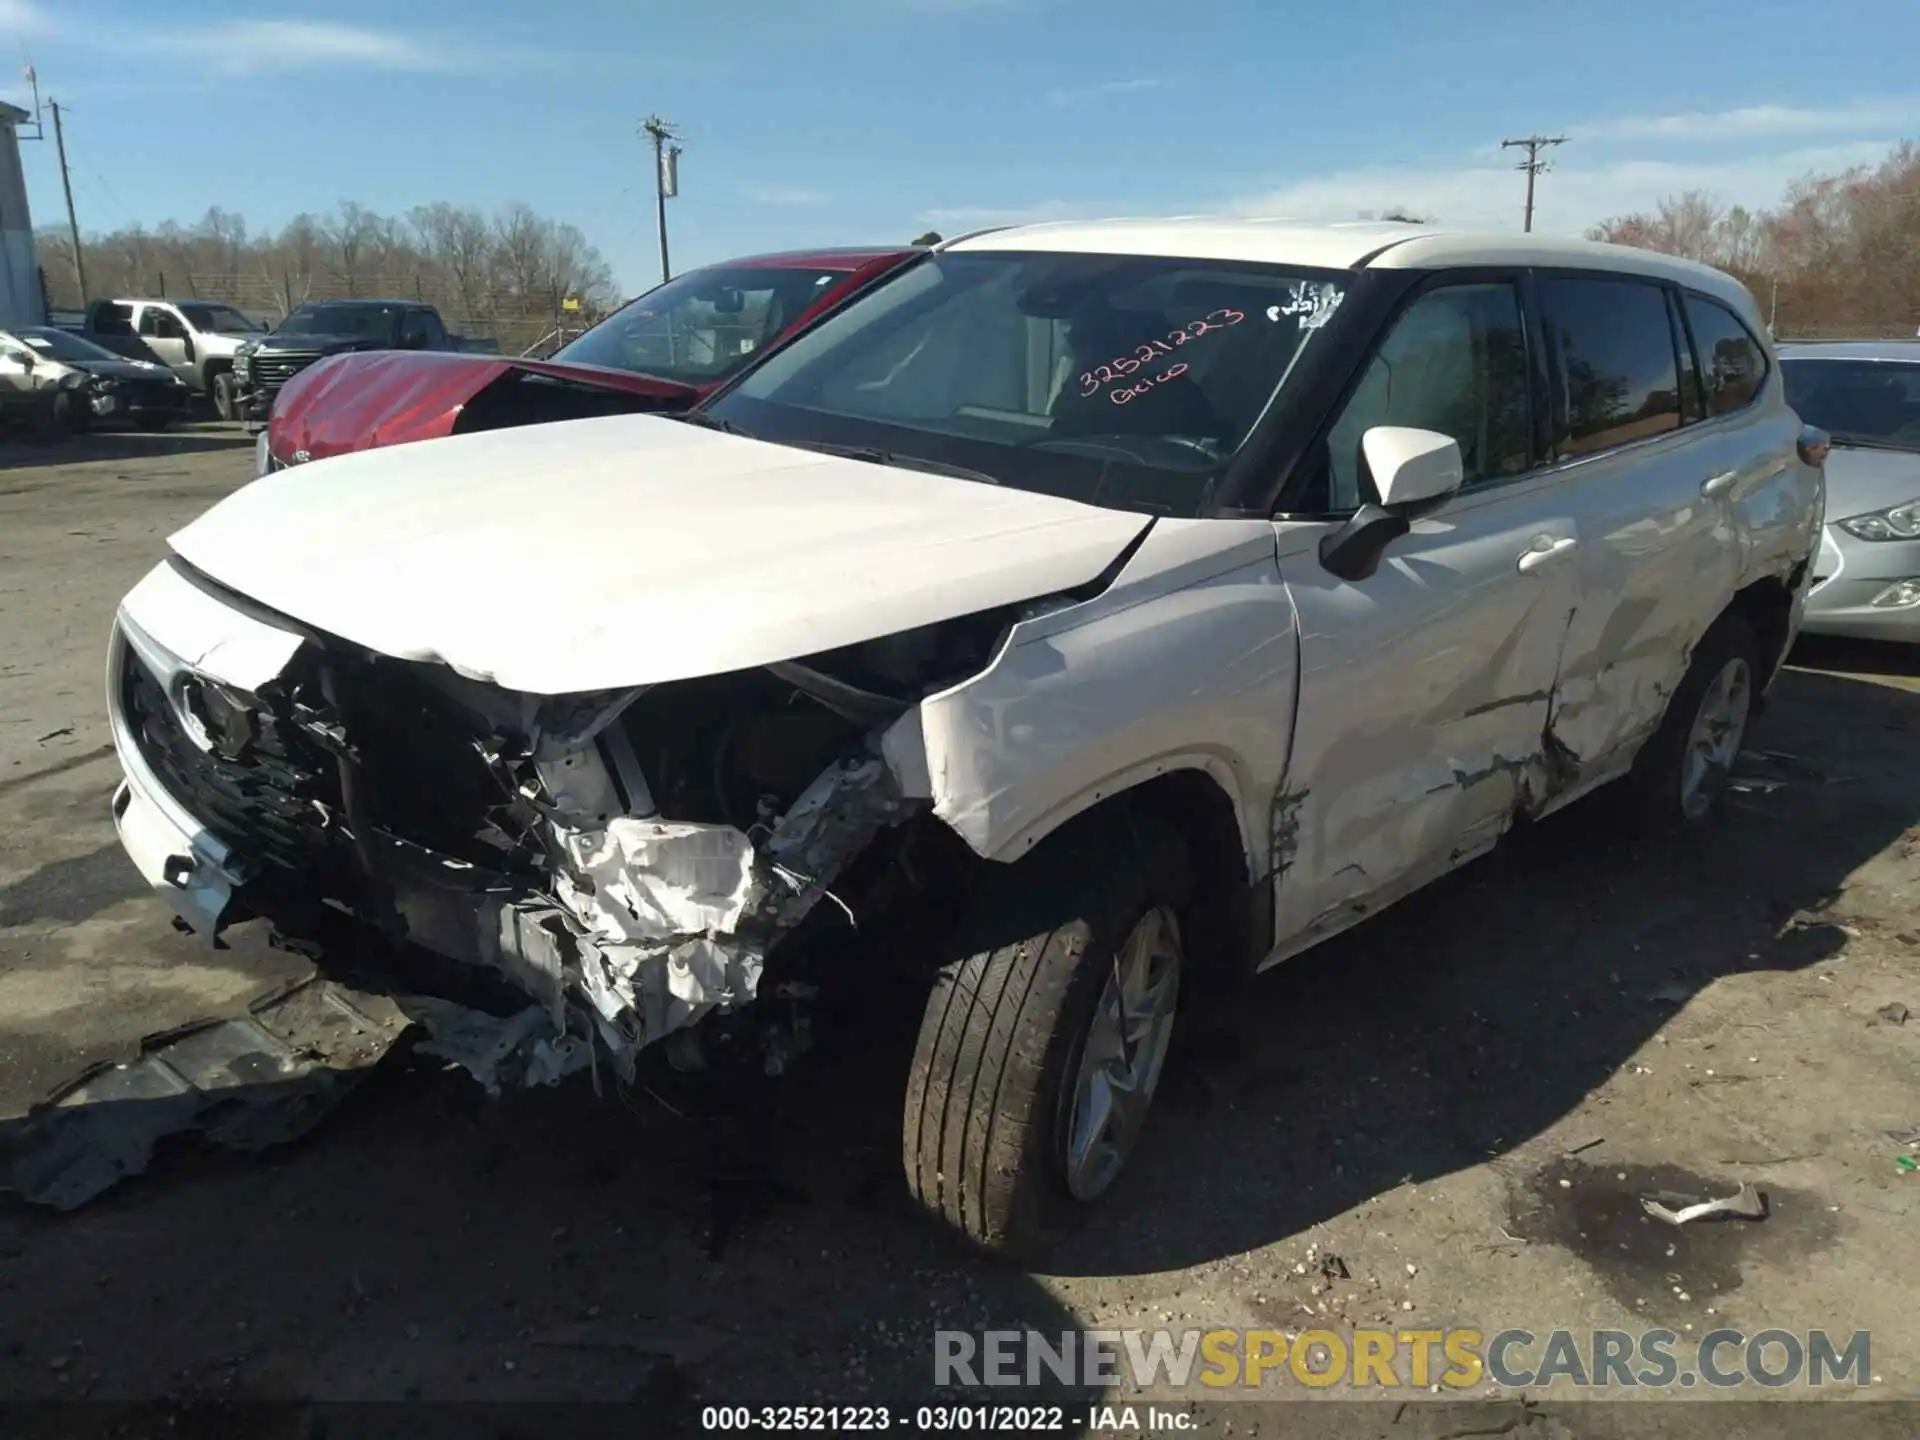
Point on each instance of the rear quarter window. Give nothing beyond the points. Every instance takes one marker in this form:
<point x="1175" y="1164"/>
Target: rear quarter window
<point x="1733" y="366"/>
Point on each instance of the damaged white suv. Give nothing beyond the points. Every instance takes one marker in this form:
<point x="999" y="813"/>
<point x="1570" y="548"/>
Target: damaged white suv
<point x="1087" y="613"/>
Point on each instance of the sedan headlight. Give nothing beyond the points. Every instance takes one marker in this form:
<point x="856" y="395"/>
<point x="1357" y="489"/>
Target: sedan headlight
<point x="1896" y="522"/>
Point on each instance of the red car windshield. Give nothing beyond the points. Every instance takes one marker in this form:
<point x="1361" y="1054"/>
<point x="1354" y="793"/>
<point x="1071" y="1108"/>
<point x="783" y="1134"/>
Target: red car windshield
<point x="704" y="325"/>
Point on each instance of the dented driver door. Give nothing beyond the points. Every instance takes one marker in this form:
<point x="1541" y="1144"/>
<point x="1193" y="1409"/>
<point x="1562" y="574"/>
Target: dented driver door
<point x="1424" y="687"/>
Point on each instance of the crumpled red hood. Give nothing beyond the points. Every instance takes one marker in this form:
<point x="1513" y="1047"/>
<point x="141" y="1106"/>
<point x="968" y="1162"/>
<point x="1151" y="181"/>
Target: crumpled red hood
<point x="370" y="399"/>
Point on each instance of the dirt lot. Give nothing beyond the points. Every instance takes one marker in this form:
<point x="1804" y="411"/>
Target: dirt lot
<point x="1689" y="1016"/>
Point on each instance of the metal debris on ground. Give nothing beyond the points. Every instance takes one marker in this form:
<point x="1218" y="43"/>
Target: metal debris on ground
<point x="1746" y="1203"/>
<point x="1910" y="1135"/>
<point x="1332" y="1267"/>
<point x="1584" y="1146"/>
<point x="243" y="1084"/>
<point x="1894" y="1014"/>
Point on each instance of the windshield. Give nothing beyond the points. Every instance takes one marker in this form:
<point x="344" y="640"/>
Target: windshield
<point x="705" y="325"/>
<point x="1126" y="381"/>
<point x="371" y="321"/>
<point x="221" y="320"/>
<point x="45" y="340"/>
<point x="1854" y="401"/>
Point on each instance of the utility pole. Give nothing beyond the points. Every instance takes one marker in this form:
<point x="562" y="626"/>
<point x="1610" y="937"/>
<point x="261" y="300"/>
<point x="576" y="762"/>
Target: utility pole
<point x="666" y="177"/>
<point x="66" y="183"/>
<point x="1533" y="165"/>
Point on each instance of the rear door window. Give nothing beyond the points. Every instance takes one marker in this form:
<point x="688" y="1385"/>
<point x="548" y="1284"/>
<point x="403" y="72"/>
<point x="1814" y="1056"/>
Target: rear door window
<point x="1732" y="364"/>
<point x="1617" y="361"/>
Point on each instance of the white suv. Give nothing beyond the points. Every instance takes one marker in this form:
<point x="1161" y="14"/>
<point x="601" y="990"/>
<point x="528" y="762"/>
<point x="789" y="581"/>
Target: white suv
<point x="1089" y="612"/>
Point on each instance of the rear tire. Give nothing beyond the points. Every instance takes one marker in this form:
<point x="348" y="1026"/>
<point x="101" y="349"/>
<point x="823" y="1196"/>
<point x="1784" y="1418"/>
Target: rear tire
<point x="1003" y="1139"/>
<point x="1681" y="773"/>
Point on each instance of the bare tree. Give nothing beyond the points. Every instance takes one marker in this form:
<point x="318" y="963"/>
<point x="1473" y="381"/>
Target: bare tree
<point x="348" y="235"/>
<point x="522" y="238"/>
<point x="1839" y="254"/>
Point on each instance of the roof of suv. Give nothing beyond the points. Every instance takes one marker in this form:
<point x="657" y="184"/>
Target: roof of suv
<point x="1375" y="244"/>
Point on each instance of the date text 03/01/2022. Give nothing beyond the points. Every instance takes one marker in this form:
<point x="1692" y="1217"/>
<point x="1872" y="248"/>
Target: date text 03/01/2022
<point x="943" y="1419"/>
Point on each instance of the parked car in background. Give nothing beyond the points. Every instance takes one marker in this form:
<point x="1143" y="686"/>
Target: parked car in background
<point x="1090" y="612"/>
<point x="659" y="353"/>
<point x="323" y="328"/>
<point x="196" y="339"/>
<point x="56" y="377"/>
<point x="1866" y="396"/>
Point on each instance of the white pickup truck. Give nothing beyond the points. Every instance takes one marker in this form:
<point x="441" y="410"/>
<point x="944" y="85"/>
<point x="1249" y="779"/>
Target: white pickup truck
<point x="1087" y="613"/>
<point x="196" y="339"/>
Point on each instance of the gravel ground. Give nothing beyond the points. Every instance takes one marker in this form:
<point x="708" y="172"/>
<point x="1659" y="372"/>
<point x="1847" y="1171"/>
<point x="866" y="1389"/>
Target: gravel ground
<point x="1461" y="1101"/>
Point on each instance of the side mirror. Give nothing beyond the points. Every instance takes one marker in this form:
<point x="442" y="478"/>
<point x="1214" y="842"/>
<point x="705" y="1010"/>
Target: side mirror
<point x="1411" y="467"/>
<point x="1414" y="472"/>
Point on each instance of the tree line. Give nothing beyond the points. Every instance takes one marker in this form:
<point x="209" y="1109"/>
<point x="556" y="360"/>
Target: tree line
<point x="514" y="273"/>
<point x="1839" y="255"/>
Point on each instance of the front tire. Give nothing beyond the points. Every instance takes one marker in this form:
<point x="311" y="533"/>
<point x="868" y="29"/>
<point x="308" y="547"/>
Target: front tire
<point x="225" y="396"/>
<point x="69" y="416"/>
<point x="1683" y="770"/>
<point x="1040" y="1052"/>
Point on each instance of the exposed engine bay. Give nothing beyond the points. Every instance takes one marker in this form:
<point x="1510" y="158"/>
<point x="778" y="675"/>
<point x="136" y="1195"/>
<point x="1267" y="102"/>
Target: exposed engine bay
<point x="630" y="861"/>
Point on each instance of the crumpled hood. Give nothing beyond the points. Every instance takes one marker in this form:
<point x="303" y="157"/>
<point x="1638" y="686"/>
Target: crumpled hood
<point x="364" y="400"/>
<point x="1863" y="480"/>
<point x="596" y="554"/>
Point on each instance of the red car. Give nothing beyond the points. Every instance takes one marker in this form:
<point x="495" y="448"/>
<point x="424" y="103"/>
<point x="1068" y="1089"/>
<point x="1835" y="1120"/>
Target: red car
<point x="663" y="352"/>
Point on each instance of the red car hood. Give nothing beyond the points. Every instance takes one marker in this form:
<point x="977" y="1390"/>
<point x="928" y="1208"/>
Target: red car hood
<point x="377" y="398"/>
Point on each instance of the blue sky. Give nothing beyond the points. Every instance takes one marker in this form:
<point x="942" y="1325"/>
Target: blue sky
<point x="857" y="121"/>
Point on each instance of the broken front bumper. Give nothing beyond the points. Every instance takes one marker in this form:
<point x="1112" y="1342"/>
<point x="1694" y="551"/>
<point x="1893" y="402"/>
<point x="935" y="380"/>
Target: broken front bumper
<point x="243" y="788"/>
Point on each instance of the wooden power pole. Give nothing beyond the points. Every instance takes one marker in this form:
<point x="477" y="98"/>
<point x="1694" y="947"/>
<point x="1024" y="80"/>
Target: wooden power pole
<point x="1533" y="165"/>
<point x="66" y="183"/>
<point x="666" y="177"/>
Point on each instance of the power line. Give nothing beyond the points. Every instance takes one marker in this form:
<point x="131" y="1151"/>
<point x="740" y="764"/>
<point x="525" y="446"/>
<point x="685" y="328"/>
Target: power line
<point x="1533" y="165"/>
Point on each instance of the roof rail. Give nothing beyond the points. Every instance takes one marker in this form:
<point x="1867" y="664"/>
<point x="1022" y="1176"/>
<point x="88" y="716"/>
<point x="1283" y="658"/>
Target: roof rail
<point x="970" y="235"/>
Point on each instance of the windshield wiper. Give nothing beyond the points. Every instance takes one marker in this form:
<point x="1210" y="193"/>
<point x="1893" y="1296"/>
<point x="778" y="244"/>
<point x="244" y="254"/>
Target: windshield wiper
<point x="1848" y="440"/>
<point x="711" y="422"/>
<point x="874" y="455"/>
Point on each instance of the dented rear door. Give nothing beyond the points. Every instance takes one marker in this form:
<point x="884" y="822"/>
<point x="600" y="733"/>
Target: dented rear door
<point x="1649" y="480"/>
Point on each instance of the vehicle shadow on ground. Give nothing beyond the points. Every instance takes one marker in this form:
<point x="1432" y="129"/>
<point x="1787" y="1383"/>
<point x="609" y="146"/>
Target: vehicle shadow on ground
<point x="1476" y="1014"/>
<point x="25" y="452"/>
<point x="758" y="1244"/>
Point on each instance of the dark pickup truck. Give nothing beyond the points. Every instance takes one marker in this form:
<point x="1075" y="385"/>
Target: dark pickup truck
<point x="338" y="327"/>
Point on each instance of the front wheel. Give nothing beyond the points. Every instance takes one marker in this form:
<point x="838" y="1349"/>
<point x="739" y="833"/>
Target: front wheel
<point x="1039" y="1053"/>
<point x="1683" y="770"/>
<point x="225" y="396"/>
<point x="69" y="415"/>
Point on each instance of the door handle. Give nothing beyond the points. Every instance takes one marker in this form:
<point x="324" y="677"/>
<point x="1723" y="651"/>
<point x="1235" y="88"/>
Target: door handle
<point x="1719" y="484"/>
<point x="1531" y="560"/>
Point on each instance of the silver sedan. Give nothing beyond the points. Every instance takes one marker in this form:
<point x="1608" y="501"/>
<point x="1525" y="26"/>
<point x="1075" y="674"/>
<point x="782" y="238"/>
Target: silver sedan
<point x="1866" y="395"/>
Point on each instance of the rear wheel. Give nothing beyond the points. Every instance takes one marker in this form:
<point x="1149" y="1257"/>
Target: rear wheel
<point x="1039" y="1053"/>
<point x="1684" y="769"/>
